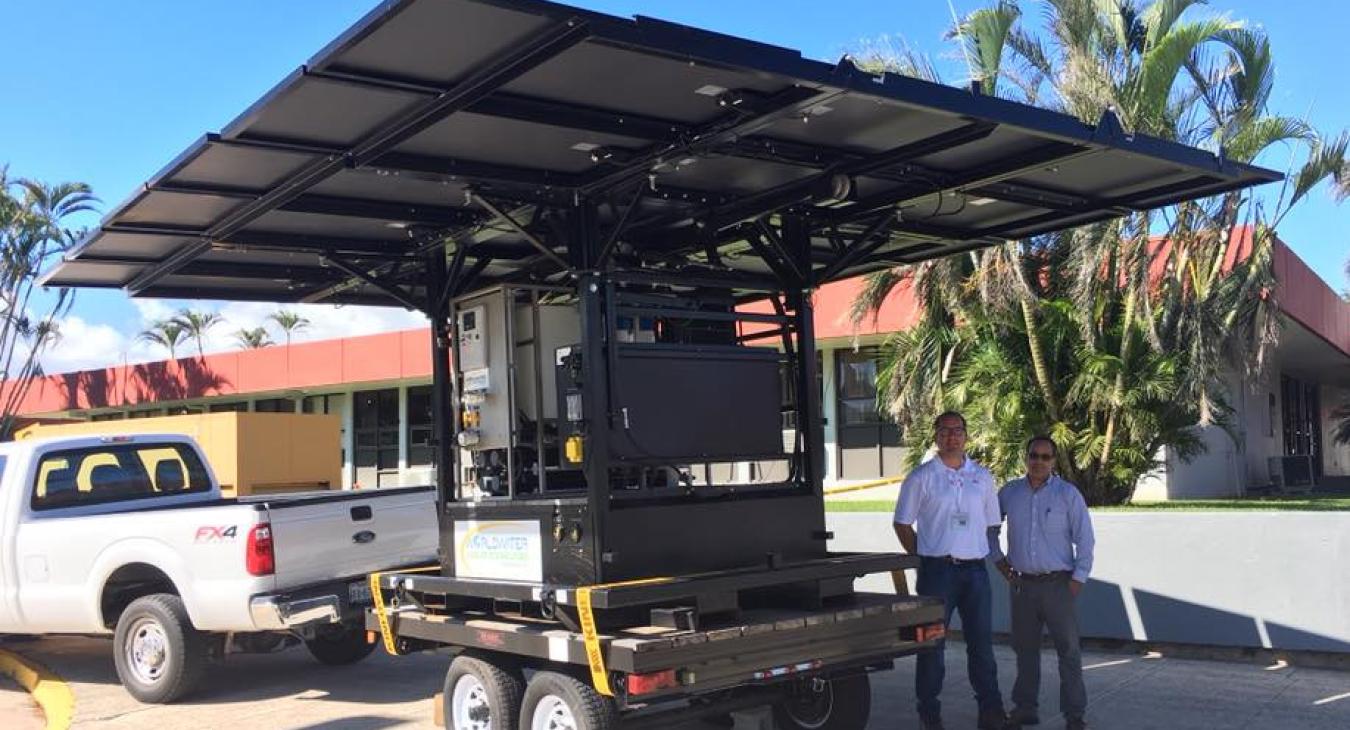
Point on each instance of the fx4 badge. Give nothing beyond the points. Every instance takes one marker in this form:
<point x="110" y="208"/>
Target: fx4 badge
<point x="216" y="533"/>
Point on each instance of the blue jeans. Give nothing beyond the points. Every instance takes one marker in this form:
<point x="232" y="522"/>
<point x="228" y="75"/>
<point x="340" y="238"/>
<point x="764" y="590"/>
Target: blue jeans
<point x="962" y="587"/>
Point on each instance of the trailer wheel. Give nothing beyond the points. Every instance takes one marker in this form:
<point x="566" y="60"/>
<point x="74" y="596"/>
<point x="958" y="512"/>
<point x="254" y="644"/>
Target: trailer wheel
<point x="556" y="701"/>
<point x="843" y="703"/>
<point x="481" y="694"/>
<point x="340" y="644"/>
<point x="159" y="655"/>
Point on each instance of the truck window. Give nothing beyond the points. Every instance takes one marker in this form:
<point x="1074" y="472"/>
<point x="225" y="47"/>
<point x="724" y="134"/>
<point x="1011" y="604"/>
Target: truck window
<point x="115" y="473"/>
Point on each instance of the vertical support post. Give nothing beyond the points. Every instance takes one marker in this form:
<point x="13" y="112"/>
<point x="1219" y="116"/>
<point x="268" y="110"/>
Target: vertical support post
<point x="797" y="241"/>
<point x="442" y="414"/>
<point x="595" y="334"/>
<point x="808" y="395"/>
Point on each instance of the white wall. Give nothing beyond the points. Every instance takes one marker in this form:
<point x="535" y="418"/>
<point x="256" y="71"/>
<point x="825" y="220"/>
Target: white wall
<point x="1254" y="579"/>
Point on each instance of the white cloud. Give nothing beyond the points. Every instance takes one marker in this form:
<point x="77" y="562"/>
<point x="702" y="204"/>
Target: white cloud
<point x="84" y="345"/>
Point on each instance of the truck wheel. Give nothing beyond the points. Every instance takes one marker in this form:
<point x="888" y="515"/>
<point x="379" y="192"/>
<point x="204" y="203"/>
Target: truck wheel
<point x="556" y="701"/>
<point x="159" y="655"/>
<point x="481" y="694"/>
<point x="340" y="644"/>
<point x="843" y="703"/>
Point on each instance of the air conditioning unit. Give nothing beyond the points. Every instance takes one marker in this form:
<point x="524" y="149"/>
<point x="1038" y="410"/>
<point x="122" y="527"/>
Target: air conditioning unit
<point x="1292" y="472"/>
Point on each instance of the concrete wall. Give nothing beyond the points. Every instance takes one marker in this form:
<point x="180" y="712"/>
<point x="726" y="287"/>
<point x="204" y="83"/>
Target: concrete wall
<point x="1251" y="579"/>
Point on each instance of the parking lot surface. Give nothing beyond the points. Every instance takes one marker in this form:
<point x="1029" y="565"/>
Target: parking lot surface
<point x="290" y="690"/>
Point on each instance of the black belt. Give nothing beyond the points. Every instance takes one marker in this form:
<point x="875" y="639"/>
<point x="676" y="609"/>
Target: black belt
<point x="955" y="561"/>
<point x="1053" y="575"/>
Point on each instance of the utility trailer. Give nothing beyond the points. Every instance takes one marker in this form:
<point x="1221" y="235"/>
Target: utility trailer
<point x="615" y="227"/>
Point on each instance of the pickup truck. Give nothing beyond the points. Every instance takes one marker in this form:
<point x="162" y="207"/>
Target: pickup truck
<point x="129" y="536"/>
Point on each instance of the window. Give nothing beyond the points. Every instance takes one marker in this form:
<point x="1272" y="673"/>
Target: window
<point x="145" y="414"/>
<point x="274" y="405"/>
<point x="239" y="407"/>
<point x="858" y="388"/>
<point x="185" y="410"/>
<point x="376" y="430"/>
<point x="419" y="426"/>
<point x="116" y="473"/>
<point x="114" y="416"/>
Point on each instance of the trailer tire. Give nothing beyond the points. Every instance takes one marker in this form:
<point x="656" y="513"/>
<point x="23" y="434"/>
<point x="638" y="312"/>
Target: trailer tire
<point x="554" y="700"/>
<point x="159" y="656"/>
<point x="475" y="683"/>
<point x="340" y="645"/>
<point x="843" y="703"/>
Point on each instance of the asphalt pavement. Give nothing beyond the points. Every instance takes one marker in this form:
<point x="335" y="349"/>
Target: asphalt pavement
<point x="290" y="690"/>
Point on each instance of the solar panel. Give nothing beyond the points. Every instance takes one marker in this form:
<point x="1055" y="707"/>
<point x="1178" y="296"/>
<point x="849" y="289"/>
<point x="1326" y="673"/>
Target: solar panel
<point x="486" y="131"/>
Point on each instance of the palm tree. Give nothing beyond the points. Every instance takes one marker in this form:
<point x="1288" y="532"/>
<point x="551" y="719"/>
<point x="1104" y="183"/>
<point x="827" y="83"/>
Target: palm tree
<point x="253" y="339"/>
<point x="33" y="232"/>
<point x="289" y="322"/>
<point x="167" y="333"/>
<point x="197" y="325"/>
<point x="1110" y="337"/>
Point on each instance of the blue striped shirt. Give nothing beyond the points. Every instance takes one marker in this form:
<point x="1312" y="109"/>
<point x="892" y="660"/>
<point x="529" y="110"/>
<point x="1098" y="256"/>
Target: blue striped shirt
<point x="1049" y="529"/>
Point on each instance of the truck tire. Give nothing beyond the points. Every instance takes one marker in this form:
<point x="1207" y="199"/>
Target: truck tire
<point x="556" y="701"/>
<point x="842" y="703"/>
<point x="159" y="655"/>
<point x="340" y="644"/>
<point x="481" y="694"/>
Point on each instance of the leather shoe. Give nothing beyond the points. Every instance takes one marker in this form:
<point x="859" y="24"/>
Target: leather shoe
<point x="1075" y="724"/>
<point x="932" y="723"/>
<point x="993" y="720"/>
<point x="1020" y="717"/>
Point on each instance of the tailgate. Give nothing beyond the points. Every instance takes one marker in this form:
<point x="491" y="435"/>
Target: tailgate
<point x="330" y="536"/>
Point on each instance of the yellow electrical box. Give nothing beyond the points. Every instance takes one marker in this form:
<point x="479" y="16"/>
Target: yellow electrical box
<point x="572" y="449"/>
<point x="250" y="453"/>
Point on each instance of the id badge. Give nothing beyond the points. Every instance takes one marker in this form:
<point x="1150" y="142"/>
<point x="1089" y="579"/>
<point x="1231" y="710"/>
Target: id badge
<point x="961" y="519"/>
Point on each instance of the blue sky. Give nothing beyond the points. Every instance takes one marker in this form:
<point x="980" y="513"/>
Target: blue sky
<point x="107" y="93"/>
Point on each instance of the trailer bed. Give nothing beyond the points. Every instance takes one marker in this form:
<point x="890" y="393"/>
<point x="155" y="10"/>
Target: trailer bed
<point x="757" y="646"/>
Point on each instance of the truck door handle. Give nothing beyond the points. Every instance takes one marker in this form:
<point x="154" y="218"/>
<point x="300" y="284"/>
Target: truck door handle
<point x="363" y="537"/>
<point x="361" y="513"/>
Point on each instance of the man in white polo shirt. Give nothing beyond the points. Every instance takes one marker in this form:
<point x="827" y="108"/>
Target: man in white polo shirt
<point x="943" y="515"/>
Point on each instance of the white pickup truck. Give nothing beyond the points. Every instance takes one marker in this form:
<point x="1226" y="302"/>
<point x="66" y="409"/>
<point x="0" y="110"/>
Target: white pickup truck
<point x="129" y="535"/>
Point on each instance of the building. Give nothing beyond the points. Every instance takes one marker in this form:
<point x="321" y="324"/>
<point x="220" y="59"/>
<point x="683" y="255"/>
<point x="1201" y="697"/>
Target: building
<point x="380" y="387"/>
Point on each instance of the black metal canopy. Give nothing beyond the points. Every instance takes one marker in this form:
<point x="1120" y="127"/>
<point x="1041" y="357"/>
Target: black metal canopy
<point x="495" y="130"/>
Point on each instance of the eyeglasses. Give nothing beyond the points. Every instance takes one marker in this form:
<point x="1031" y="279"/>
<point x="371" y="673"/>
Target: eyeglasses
<point x="1040" y="456"/>
<point x="952" y="431"/>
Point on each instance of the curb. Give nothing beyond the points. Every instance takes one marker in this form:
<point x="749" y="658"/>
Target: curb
<point x="864" y="485"/>
<point x="51" y="692"/>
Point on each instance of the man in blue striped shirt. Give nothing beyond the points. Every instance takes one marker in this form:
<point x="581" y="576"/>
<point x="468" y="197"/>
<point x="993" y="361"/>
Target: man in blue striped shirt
<point x="1049" y="559"/>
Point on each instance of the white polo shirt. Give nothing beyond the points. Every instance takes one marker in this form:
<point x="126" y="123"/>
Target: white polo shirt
<point x="950" y="509"/>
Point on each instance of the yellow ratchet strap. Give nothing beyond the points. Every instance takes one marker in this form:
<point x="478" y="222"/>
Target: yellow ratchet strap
<point x="595" y="658"/>
<point x="382" y="613"/>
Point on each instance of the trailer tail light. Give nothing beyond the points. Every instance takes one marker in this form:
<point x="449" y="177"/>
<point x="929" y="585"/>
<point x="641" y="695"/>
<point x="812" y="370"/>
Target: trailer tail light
<point x="929" y="632"/>
<point x="258" y="558"/>
<point x="642" y="684"/>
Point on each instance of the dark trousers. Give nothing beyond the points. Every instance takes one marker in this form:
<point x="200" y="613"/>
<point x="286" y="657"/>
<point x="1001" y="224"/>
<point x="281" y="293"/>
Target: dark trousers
<point x="1047" y="604"/>
<point x="963" y="587"/>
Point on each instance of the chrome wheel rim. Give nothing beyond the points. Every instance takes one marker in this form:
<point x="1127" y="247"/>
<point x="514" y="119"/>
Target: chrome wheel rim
<point x="147" y="650"/>
<point x="552" y="713"/>
<point x="469" y="706"/>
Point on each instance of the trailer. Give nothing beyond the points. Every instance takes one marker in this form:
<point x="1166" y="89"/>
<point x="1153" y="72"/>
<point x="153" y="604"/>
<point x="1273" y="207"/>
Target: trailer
<point x="614" y="227"/>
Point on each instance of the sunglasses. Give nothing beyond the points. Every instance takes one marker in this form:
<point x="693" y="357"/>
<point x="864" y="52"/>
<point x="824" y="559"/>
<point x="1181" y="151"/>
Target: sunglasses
<point x="1034" y="456"/>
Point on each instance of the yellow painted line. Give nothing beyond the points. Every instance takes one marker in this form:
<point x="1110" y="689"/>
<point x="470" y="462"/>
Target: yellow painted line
<point x="864" y="485"/>
<point x="51" y="692"/>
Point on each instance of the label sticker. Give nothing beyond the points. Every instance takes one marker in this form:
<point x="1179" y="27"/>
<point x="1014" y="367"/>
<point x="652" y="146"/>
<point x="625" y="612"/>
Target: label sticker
<point x="506" y="550"/>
